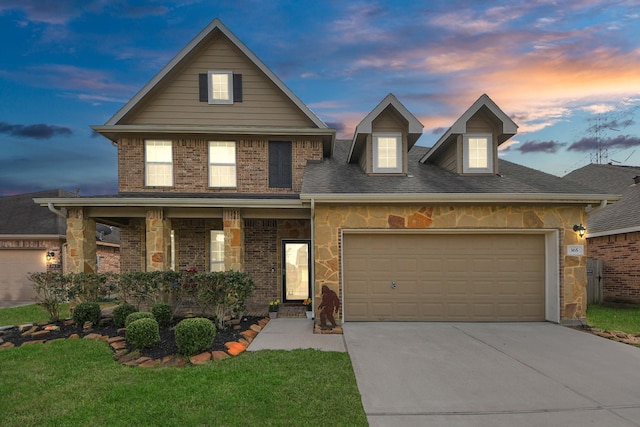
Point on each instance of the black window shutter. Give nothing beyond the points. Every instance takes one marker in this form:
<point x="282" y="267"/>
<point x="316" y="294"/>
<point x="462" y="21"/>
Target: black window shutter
<point x="204" y="87"/>
<point x="237" y="88"/>
<point x="280" y="164"/>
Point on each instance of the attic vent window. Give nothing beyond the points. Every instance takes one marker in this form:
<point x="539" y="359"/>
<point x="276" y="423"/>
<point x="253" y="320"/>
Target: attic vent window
<point x="478" y="153"/>
<point x="387" y="153"/>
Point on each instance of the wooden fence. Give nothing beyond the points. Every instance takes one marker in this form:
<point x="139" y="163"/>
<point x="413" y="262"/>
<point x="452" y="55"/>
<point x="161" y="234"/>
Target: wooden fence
<point x="595" y="281"/>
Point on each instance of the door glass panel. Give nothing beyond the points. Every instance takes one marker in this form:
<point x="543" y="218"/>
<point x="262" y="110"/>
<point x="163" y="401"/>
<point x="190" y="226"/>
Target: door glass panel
<point x="296" y="270"/>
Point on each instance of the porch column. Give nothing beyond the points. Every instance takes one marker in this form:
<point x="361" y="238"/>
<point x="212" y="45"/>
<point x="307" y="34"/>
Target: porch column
<point x="81" y="242"/>
<point x="233" y="239"/>
<point x="158" y="240"/>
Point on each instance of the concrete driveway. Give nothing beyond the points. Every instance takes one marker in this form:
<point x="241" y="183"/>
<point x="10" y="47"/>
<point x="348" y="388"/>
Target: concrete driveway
<point x="494" y="374"/>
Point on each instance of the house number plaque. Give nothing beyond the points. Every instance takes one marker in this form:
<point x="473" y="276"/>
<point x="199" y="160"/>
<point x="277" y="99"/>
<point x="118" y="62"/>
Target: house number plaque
<point x="575" y="250"/>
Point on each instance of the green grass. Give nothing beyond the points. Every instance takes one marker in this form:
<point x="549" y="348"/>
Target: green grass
<point x="28" y="314"/>
<point x="625" y="319"/>
<point x="77" y="382"/>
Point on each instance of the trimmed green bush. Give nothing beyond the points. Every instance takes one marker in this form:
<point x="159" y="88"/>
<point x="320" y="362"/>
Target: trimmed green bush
<point x="194" y="335"/>
<point x="86" y="312"/>
<point x="137" y="316"/>
<point x="121" y="312"/>
<point x="163" y="314"/>
<point x="143" y="332"/>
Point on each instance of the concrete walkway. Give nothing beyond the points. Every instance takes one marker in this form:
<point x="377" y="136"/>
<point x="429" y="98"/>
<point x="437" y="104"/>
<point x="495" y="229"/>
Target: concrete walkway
<point x="494" y="374"/>
<point x="293" y="333"/>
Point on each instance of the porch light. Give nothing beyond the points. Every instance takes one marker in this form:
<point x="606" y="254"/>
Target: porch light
<point x="580" y="230"/>
<point x="50" y="255"/>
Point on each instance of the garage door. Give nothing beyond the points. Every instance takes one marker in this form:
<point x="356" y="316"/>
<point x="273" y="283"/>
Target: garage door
<point x="14" y="266"/>
<point x="444" y="277"/>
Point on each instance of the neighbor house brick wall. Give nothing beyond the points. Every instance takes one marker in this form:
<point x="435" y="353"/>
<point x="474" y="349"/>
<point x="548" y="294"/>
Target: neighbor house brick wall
<point x="621" y="256"/>
<point x="191" y="165"/>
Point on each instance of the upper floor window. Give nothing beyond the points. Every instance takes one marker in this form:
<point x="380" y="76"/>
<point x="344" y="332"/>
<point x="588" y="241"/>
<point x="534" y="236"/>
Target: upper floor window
<point x="158" y="163"/>
<point x="280" y="164"/>
<point x="478" y="153"/>
<point x="222" y="164"/>
<point x="387" y="153"/>
<point x="216" y="259"/>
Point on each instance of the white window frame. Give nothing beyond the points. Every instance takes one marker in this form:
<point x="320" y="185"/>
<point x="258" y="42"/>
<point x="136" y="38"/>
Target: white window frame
<point x="216" y="251"/>
<point x="158" y="166"/>
<point x="217" y="163"/>
<point x="216" y="82"/>
<point x="377" y="168"/>
<point x="469" y="150"/>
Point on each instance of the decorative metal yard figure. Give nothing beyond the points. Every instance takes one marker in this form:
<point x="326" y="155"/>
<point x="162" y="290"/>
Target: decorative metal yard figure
<point x="330" y="304"/>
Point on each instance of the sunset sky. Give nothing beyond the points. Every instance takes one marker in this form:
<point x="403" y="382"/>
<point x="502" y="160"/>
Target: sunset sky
<point x="567" y="72"/>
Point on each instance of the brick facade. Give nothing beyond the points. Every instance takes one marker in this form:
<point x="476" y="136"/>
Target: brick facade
<point x="621" y="256"/>
<point x="108" y="258"/>
<point x="191" y="166"/>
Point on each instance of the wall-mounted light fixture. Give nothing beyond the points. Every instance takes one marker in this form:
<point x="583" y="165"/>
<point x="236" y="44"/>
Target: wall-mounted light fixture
<point x="50" y="255"/>
<point x="580" y="230"/>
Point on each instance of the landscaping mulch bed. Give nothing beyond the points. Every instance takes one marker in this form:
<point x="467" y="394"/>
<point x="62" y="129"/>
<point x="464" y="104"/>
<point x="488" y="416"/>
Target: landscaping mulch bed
<point x="167" y="345"/>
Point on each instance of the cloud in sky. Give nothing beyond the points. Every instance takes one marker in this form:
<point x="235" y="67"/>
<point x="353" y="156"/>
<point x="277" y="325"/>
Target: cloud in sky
<point x="540" y="147"/>
<point x="37" y="131"/>
<point x="593" y="143"/>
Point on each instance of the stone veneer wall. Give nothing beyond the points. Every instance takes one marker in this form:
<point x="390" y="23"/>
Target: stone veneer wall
<point x="621" y="256"/>
<point x="329" y="220"/>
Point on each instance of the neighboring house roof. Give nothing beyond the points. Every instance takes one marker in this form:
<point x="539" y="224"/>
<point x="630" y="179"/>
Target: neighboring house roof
<point x="20" y="216"/>
<point x="620" y="217"/>
<point x="509" y="128"/>
<point x="366" y="125"/>
<point x="336" y="180"/>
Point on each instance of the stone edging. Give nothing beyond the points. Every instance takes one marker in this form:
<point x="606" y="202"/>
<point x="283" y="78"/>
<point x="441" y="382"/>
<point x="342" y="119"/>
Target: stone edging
<point x="118" y="345"/>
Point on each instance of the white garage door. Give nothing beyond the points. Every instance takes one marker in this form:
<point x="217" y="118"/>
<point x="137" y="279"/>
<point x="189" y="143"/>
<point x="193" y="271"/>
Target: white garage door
<point x="14" y="266"/>
<point x="444" y="277"/>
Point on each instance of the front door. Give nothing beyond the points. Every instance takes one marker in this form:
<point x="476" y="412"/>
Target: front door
<point x="295" y="270"/>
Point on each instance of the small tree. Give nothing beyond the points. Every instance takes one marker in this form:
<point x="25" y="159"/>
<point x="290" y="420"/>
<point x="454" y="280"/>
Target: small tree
<point x="51" y="290"/>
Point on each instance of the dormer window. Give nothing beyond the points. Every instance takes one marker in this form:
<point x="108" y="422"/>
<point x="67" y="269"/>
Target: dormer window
<point x="387" y="153"/>
<point x="478" y="153"/>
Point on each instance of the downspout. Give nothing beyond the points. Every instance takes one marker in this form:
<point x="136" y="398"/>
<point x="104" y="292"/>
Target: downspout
<point x="56" y="211"/>
<point x="591" y="210"/>
<point x="313" y="257"/>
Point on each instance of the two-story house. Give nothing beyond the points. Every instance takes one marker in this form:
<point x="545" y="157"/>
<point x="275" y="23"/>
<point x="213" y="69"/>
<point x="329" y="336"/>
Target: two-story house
<point x="221" y="166"/>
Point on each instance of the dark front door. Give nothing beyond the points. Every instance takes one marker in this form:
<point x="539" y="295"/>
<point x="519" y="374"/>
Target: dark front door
<point x="296" y="284"/>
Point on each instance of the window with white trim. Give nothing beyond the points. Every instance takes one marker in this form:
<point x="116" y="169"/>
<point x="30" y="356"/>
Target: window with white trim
<point x="387" y="153"/>
<point x="222" y="164"/>
<point x="220" y="87"/>
<point x="478" y="153"/>
<point x="158" y="157"/>
<point x="216" y="258"/>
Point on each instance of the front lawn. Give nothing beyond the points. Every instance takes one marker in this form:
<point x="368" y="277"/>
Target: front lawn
<point x="624" y="319"/>
<point x="28" y="314"/>
<point x="77" y="382"/>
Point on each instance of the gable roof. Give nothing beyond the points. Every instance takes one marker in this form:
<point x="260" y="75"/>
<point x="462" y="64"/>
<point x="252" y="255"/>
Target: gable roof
<point x="365" y="126"/>
<point x="21" y="216"/>
<point x="617" y="218"/>
<point x="203" y="36"/>
<point x="336" y="181"/>
<point x="459" y="127"/>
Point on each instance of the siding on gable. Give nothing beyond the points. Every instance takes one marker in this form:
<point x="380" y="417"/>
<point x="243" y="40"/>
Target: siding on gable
<point x="191" y="165"/>
<point x="178" y="101"/>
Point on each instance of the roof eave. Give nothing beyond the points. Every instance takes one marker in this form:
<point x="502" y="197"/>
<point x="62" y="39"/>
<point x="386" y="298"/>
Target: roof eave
<point x="466" y="198"/>
<point x="613" y="231"/>
<point x="179" y="202"/>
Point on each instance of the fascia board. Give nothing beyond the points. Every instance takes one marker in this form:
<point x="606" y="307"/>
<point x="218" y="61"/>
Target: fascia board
<point x="180" y="202"/>
<point x="502" y="198"/>
<point x="190" y="129"/>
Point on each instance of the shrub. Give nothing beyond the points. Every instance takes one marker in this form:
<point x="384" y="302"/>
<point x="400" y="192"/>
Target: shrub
<point x="121" y="312"/>
<point x="137" y="316"/>
<point x="51" y="290"/>
<point x="194" y="335"/>
<point x="86" y="312"/>
<point x="163" y="314"/>
<point x="143" y="333"/>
